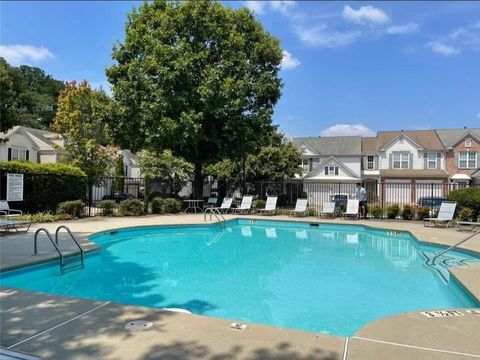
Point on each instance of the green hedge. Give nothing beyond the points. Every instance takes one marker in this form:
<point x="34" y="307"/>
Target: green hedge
<point x="45" y="185"/>
<point x="467" y="198"/>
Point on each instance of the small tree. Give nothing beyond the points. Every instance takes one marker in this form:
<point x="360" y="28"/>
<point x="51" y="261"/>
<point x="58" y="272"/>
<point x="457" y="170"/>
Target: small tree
<point x="80" y="118"/>
<point x="173" y="171"/>
<point x="119" y="174"/>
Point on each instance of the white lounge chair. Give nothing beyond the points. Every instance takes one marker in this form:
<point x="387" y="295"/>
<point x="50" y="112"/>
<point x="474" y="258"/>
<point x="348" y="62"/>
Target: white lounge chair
<point x="445" y="214"/>
<point x="328" y="209"/>
<point x="245" y="206"/>
<point x="6" y="212"/>
<point x="467" y="225"/>
<point x="352" y="209"/>
<point x="300" y="208"/>
<point x="211" y="202"/>
<point x="7" y="225"/>
<point x="270" y="206"/>
<point x="226" y="205"/>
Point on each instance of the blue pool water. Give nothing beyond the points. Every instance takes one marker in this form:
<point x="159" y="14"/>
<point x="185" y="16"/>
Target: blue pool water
<point x="331" y="278"/>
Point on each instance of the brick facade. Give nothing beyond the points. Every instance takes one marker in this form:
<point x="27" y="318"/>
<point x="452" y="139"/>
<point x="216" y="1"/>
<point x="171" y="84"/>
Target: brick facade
<point x="452" y="167"/>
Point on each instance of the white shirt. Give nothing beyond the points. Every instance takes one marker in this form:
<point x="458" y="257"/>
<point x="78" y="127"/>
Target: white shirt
<point x="361" y="194"/>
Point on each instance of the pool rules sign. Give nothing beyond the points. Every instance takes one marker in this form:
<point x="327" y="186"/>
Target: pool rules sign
<point x="14" y="187"/>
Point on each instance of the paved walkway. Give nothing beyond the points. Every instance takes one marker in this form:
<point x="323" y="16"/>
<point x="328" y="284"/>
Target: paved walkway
<point x="57" y="327"/>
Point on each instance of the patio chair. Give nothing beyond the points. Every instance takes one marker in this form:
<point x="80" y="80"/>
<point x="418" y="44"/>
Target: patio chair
<point x="270" y="206"/>
<point x="352" y="209"/>
<point x="211" y="202"/>
<point x="300" y="208"/>
<point x="328" y="209"/>
<point x="7" y="225"/>
<point x="6" y="212"/>
<point x="245" y="206"/>
<point x="226" y="205"/>
<point x="467" y="225"/>
<point x="445" y="215"/>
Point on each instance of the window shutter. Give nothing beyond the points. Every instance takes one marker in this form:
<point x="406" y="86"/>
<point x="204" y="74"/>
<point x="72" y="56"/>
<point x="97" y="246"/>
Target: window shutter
<point x="455" y="155"/>
<point x="478" y="159"/>
<point x="410" y="162"/>
<point x="365" y="161"/>
<point x="425" y="160"/>
<point x="27" y="155"/>
<point x="326" y="170"/>
<point x="375" y="162"/>
<point x="390" y="160"/>
<point x="9" y="154"/>
<point x="336" y="170"/>
<point x="439" y="159"/>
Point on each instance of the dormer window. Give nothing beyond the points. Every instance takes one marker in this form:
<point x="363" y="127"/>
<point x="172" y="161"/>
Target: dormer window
<point x="468" y="142"/>
<point x="331" y="170"/>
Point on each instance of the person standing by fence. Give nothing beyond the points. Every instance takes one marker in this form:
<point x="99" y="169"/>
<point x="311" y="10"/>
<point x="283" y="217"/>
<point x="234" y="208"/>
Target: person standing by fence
<point x="361" y="195"/>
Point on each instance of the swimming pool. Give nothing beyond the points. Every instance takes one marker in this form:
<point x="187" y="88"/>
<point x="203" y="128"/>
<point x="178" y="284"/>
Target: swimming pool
<point x="326" y="278"/>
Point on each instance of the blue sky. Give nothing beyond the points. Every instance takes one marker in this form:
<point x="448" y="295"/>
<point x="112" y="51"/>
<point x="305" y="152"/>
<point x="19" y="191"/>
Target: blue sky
<point x="349" y="67"/>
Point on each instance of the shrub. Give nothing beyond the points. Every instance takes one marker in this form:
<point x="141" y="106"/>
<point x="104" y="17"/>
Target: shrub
<point x="131" y="207"/>
<point x="377" y="212"/>
<point x="157" y="206"/>
<point x="467" y="198"/>
<point x="423" y="212"/>
<point x="407" y="212"/>
<point x="107" y="207"/>
<point x="45" y="185"/>
<point x="311" y="212"/>
<point x="465" y="214"/>
<point x="260" y="204"/>
<point x="73" y="208"/>
<point x="43" y="217"/>
<point x="393" y="211"/>
<point x="172" y="206"/>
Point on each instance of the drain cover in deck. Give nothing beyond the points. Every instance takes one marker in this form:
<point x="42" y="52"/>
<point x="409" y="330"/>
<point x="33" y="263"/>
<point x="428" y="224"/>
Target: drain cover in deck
<point x="138" y="325"/>
<point x="237" y="326"/>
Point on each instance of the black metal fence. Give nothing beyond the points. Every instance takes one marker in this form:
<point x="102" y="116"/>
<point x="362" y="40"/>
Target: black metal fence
<point x="381" y="194"/>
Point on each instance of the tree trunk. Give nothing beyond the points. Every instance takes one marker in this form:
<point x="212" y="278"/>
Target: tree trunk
<point x="198" y="182"/>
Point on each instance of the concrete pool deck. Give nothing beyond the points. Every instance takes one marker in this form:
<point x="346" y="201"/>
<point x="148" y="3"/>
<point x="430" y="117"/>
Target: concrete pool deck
<point x="56" y="327"/>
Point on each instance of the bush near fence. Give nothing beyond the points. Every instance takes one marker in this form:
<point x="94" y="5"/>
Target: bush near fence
<point x="45" y="185"/>
<point x="467" y="198"/>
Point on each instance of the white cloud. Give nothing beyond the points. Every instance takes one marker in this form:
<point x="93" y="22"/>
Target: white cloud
<point x="442" y="48"/>
<point x="347" y="130"/>
<point x="320" y="36"/>
<point x="282" y="6"/>
<point x="21" y="54"/>
<point x="366" y="15"/>
<point x="259" y="7"/>
<point x="289" y="61"/>
<point x="402" y="29"/>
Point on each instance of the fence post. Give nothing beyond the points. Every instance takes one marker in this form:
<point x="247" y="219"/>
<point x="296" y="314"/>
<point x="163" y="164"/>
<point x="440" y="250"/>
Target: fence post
<point x="90" y="194"/>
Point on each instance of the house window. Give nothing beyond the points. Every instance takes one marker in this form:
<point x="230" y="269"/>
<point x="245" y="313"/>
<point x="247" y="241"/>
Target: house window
<point x="468" y="143"/>
<point x="19" y="154"/>
<point x="331" y="170"/>
<point x="370" y="162"/>
<point x="401" y="160"/>
<point x="431" y="160"/>
<point x="467" y="160"/>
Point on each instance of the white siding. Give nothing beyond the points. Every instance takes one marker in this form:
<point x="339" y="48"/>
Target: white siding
<point x="19" y="141"/>
<point x="384" y="156"/>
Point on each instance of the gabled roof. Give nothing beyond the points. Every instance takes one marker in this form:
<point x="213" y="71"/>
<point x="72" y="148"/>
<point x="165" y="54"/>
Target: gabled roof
<point x="332" y="145"/>
<point x="425" y="139"/>
<point x="18" y="130"/>
<point x="41" y="139"/>
<point x="450" y="137"/>
<point x="329" y="160"/>
<point x="369" y="145"/>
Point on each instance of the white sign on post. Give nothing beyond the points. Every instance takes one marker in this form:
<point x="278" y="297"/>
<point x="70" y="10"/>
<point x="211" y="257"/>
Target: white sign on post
<point x="14" y="187"/>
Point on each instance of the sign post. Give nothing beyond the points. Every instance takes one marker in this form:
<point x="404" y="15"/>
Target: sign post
<point x="14" y="187"/>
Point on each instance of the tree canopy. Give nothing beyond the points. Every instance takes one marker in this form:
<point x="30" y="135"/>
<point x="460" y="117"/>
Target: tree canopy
<point x="29" y="96"/>
<point x="81" y="118"/>
<point x="195" y="77"/>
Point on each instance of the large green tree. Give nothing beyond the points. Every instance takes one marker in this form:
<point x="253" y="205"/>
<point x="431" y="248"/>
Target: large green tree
<point x="28" y="96"/>
<point x="81" y="119"/>
<point x="195" y="77"/>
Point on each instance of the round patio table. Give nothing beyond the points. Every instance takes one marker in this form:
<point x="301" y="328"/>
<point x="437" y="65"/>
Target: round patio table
<point x="193" y="205"/>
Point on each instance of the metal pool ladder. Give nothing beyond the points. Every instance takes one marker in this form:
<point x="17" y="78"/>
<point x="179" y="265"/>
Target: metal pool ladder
<point x="218" y="215"/>
<point x="476" y="232"/>
<point x="63" y="265"/>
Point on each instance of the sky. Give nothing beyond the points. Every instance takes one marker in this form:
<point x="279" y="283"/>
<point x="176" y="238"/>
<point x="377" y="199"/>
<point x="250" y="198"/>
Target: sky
<point x="349" y="68"/>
